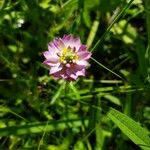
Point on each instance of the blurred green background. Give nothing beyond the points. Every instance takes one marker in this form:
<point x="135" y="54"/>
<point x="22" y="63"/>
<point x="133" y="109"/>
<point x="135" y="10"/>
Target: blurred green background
<point x="38" y="112"/>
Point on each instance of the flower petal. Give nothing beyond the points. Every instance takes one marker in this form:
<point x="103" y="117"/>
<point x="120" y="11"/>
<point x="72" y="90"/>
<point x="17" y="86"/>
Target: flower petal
<point x="73" y="76"/>
<point x="47" y="54"/>
<point x="70" y="71"/>
<point x="81" y="72"/>
<point x="59" y="74"/>
<point x="84" y="55"/>
<point x="53" y="50"/>
<point x="72" y="42"/>
<point x="55" y="69"/>
<point x="58" y="42"/>
<point x="82" y="48"/>
<point x="52" y="61"/>
<point x="82" y="63"/>
<point x="74" y="71"/>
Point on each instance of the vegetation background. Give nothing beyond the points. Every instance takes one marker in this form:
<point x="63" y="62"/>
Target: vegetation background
<point x="108" y="109"/>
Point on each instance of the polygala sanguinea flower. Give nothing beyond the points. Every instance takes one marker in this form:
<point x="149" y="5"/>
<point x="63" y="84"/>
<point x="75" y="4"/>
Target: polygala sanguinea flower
<point x="67" y="58"/>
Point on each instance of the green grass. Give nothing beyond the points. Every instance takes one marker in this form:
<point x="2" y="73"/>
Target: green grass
<point x="107" y="109"/>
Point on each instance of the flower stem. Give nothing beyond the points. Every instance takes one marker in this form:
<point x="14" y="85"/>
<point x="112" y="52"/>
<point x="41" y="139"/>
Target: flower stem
<point x="106" y="68"/>
<point x="66" y="101"/>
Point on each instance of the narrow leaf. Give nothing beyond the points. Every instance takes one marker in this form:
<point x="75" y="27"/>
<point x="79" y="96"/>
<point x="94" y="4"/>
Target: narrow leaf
<point x="41" y="127"/>
<point x="130" y="128"/>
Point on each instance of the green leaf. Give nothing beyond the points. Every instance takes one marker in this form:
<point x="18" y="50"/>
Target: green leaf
<point x="58" y="93"/>
<point x="112" y="99"/>
<point x="1" y="3"/>
<point x="45" y="4"/>
<point x="125" y="30"/>
<point x="130" y="128"/>
<point x="31" y="128"/>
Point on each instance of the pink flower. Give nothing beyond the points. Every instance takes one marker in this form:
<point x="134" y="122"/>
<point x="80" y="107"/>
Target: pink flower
<point x="67" y="57"/>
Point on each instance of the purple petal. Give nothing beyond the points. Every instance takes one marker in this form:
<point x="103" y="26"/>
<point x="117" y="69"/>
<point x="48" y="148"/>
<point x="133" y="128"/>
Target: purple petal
<point x="47" y="54"/>
<point x="52" y="61"/>
<point x="67" y="37"/>
<point x="55" y="69"/>
<point x="78" y="67"/>
<point x="81" y="73"/>
<point x="82" y="63"/>
<point x="58" y="42"/>
<point x="82" y="48"/>
<point x="73" y="76"/>
<point x="70" y="71"/>
<point x="77" y="42"/>
<point x="59" y="74"/>
<point x="84" y="55"/>
<point x="53" y="50"/>
<point x="74" y="71"/>
<point x="72" y="42"/>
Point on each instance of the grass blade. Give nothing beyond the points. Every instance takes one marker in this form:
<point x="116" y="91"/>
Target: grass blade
<point x="110" y="26"/>
<point x="106" y="68"/>
<point x="130" y="128"/>
<point x="40" y="127"/>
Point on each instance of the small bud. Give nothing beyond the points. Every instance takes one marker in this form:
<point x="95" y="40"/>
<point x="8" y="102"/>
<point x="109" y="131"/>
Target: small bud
<point x="68" y="65"/>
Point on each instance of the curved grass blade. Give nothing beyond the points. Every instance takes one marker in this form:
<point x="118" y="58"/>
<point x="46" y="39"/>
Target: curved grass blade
<point x="130" y="128"/>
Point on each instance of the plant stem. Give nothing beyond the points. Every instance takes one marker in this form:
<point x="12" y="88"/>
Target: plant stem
<point x="98" y="129"/>
<point x="100" y="64"/>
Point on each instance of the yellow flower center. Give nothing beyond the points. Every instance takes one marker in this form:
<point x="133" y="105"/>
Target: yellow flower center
<point x="68" y="56"/>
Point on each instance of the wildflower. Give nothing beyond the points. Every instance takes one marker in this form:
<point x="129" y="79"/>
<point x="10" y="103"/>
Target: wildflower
<point x="67" y="57"/>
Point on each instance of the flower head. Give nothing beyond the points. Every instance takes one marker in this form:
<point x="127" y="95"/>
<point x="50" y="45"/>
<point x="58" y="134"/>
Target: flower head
<point x="67" y="57"/>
